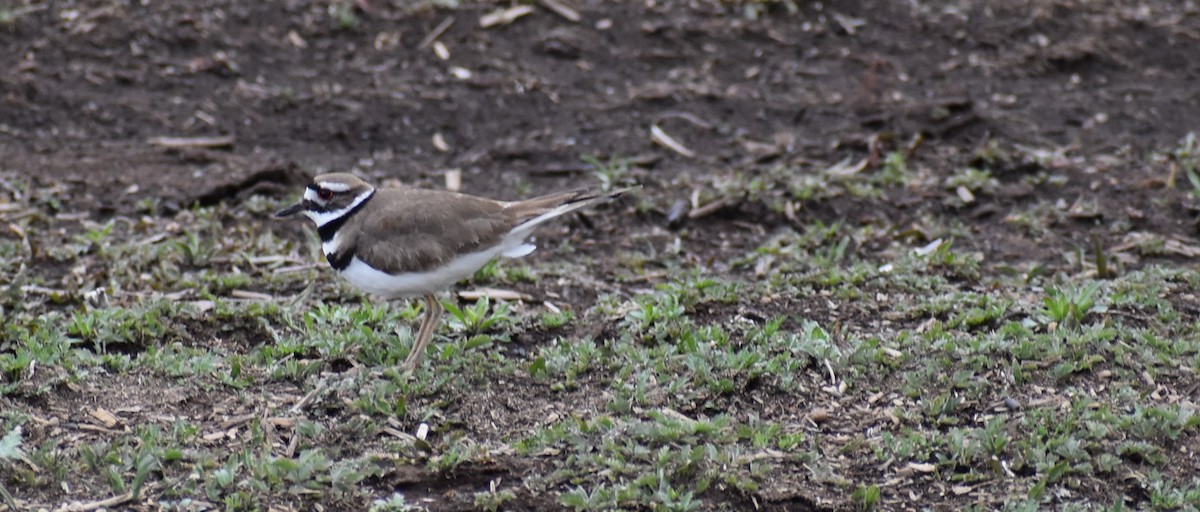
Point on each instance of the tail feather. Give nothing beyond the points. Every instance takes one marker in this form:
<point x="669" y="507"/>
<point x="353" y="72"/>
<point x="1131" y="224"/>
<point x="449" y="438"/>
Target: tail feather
<point x="531" y="212"/>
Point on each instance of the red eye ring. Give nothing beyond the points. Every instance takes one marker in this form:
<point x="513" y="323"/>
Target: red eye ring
<point x="325" y="194"/>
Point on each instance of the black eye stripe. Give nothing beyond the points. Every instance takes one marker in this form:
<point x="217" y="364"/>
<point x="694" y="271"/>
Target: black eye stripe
<point x="323" y="193"/>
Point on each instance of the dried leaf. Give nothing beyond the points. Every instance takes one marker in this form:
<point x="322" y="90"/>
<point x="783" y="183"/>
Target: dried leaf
<point x="819" y="415"/>
<point x="928" y="249"/>
<point x="677" y="213"/>
<point x="108" y="419"/>
<point x="845" y="168"/>
<point x="965" y="194"/>
<point x="439" y="143"/>
<point x="454" y="180"/>
<point x="441" y="51"/>
<point x="295" y="40"/>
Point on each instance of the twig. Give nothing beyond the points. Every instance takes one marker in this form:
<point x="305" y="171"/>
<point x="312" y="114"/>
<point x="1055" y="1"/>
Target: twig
<point x="296" y="268"/>
<point x="119" y="499"/>
<point x="437" y="32"/>
<point x="310" y="396"/>
<point x="493" y="293"/>
<point x="504" y="16"/>
<point x="33" y="288"/>
<point x="192" y="142"/>
<point x="713" y="207"/>
<point x="687" y="116"/>
<point x="97" y="428"/>
<point x="236" y="420"/>
<point x="8" y="499"/>
<point x="658" y="135"/>
<point x="249" y="295"/>
<point x="562" y="10"/>
<point x="153" y="239"/>
<point x="850" y="25"/>
<point x="293" y="443"/>
<point x="256" y="260"/>
<point x="562" y="169"/>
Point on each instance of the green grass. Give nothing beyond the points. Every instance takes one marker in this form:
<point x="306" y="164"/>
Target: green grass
<point x="817" y="363"/>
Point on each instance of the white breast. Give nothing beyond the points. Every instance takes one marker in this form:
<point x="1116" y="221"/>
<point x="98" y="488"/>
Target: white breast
<point x="412" y="284"/>
<point x="333" y="245"/>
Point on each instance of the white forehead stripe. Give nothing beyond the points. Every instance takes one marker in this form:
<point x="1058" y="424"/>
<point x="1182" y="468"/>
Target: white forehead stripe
<point x="334" y="186"/>
<point x="310" y="194"/>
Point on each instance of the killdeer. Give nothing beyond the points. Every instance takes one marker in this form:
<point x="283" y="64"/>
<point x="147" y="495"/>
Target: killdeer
<point x="408" y="242"/>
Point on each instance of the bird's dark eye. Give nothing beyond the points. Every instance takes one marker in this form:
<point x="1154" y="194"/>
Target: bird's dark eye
<point x="325" y="194"/>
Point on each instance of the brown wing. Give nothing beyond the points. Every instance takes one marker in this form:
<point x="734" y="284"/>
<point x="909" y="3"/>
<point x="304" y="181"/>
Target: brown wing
<point x="416" y="230"/>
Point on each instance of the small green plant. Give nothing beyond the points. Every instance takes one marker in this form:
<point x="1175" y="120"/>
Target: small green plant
<point x="895" y="169"/>
<point x="1187" y="159"/>
<point x="866" y="496"/>
<point x="493" y="499"/>
<point x="652" y="315"/>
<point x="394" y="503"/>
<point x="10" y="449"/>
<point x="600" y="497"/>
<point x="992" y="153"/>
<point x="480" y="317"/>
<point x="488" y="272"/>
<point x="95" y="239"/>
<point x="384" y="398"/>
<point x="458" y="450"/>
<point x="1068" y="305"/>
<point x="8" y="16"/>
<point x="343" y="14"/>
<point x="669" y="499"/>
<point x="196" y="250"/>
<point x="555" y="319"/>
<point x="975" y="180"/>
<point x="612" y="173"/>
<point x="1168" y="495"/>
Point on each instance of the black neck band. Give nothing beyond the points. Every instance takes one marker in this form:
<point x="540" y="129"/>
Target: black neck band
<point x="330" y="228"/>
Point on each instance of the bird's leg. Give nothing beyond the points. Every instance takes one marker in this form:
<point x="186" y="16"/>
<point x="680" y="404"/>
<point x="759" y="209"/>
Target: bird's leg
<point x="433" y="313"/>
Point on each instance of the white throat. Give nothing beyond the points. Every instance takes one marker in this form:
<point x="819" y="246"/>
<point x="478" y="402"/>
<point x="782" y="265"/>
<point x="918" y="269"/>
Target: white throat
<point x="323" y="218"/>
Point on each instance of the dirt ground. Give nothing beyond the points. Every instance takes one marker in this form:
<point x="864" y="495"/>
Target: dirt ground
<point x="1096" y="92"/>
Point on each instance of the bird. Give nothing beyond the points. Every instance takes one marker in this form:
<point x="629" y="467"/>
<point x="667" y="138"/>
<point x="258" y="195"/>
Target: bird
<point x="407" y="242"/>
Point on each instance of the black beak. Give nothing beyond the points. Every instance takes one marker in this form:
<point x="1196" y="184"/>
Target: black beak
<point x="289" y="211"/>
